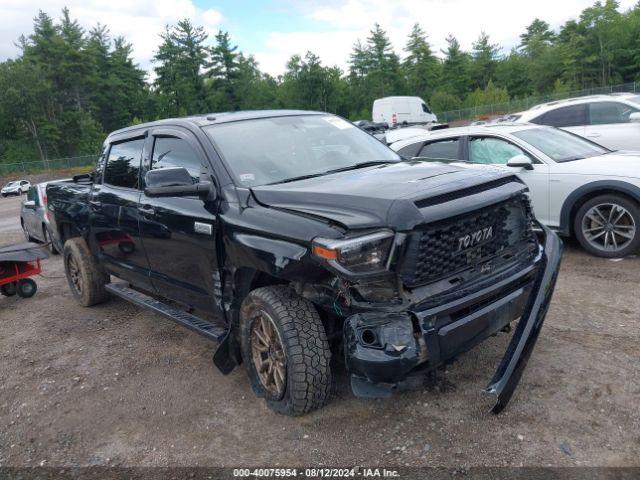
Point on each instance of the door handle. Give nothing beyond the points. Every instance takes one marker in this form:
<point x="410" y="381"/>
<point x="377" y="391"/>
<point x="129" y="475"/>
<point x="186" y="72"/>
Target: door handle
<point x="593" y="135"/>
<point x="147" y="210"/>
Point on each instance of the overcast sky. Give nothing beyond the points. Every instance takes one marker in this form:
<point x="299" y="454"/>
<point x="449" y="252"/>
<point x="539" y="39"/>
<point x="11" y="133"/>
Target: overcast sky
<point x="273" y="30"/>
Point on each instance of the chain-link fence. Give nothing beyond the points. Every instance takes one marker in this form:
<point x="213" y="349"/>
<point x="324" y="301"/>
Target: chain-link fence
<point x="518" y="105"/>
<point x="47" y="165"/>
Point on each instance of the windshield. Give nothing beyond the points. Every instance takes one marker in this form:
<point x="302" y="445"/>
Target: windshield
<point x="277" y="149"/>
<point x="12" y="184"/>
<point x="561" y="146"/>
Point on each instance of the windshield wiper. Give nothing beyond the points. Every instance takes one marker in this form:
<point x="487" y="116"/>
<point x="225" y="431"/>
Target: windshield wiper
<point x="334" y="170"/>
<point x="295" y="179"/>
<point x="355" y="166"/>
<point x="571" y="159"/>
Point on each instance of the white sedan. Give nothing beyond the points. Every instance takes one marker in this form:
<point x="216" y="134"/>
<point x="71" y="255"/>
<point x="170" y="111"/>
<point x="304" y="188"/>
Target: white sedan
<point x="576" y="186"/>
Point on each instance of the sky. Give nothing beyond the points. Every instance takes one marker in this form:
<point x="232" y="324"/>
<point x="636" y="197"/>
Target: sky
<point x="273" y="30"/>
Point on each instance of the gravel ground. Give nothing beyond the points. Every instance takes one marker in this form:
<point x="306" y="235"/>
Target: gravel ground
<point x="116" y="385"/>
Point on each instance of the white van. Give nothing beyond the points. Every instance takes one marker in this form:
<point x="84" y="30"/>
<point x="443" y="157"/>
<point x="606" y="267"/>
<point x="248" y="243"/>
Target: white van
<point x="402" y="111"/>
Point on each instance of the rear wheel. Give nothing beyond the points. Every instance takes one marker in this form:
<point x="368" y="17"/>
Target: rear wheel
<point x="8" y="289"/>
<point x="85" y="276"/>
<point x="285" y="350"/>
<point x="608" y="226"/>
<point x="27" y="288"/>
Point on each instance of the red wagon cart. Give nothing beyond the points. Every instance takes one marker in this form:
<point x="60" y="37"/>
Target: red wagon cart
<point x="17" y="264"/>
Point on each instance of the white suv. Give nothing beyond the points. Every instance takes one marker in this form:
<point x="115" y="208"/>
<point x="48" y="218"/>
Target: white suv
<point x="610" y="120"/>
<point x="15" y="188"/>
<point x="576" y="186"/>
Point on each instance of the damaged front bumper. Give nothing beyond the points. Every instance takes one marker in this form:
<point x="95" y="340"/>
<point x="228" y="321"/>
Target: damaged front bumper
<point x="384" y="350"/>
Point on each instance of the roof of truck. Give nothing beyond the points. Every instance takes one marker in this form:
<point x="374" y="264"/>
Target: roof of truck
<point x="221" y="117"/>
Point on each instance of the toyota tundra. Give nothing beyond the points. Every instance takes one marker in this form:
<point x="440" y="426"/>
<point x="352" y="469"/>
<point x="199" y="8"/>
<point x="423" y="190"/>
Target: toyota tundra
<point x="289" y="237"/>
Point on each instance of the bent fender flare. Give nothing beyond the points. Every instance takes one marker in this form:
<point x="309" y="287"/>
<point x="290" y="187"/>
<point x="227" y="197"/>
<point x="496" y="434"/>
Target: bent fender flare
<point x="512" y="365"/>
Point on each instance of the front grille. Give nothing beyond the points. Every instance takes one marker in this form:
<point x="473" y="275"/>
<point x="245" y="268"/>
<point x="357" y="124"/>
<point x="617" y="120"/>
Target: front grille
<point x="496" y="233"/>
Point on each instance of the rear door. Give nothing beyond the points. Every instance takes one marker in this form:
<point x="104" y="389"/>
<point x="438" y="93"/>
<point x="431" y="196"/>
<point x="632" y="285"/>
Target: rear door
<point x="179" y="232"/>
<point x="609" y="125"/>
<point x="114" y="216"/>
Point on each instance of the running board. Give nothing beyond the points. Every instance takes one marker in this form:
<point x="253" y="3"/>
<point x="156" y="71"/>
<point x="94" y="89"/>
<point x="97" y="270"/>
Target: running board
<point x="198" y="325"/>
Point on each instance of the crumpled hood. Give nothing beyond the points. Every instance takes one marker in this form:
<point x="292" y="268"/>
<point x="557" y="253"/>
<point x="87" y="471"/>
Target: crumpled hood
<point x="381" y="196"/>
<point x="615" y="164"/>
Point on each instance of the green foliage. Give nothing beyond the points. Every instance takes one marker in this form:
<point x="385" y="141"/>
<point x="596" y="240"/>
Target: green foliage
<point x="490" y="95"/>
<point x="443" y="101"/>
<point x="68" y="86"/>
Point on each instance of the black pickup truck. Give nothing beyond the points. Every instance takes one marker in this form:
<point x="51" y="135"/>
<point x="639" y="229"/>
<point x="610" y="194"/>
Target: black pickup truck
<point x="292" y="236"/>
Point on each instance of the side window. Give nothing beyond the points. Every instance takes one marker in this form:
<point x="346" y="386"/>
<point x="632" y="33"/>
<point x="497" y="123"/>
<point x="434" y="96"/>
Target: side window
<point x="123" y="165"/>
<point x="32" y="194"/>
<point x="571" y="116"/>
<point x="410" y="150"/>
<point x="425" y="108"/>
<point x="443" y="149"/>
<point x="603" y="113"/>
<point x="171" y="152"/>
<point x="487" y="150"/>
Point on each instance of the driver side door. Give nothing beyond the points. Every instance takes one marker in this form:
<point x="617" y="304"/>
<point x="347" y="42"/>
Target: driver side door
<point x="179" y="232"/>
<point x="493" y="153"/>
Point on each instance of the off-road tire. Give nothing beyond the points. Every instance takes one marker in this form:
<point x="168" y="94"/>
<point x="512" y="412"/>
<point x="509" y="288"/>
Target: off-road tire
<point x="26" y="288"/>
<point x="79" y="260"/>
<point x="632" y="207"/>
<point x="306" y="350"/>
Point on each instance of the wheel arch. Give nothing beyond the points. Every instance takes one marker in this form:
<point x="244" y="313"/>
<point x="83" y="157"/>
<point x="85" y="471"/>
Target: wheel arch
<point x="586" y="192"/>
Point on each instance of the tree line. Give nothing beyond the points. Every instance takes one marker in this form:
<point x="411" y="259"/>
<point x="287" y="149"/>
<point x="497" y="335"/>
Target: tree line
<point x="68" y="87"/>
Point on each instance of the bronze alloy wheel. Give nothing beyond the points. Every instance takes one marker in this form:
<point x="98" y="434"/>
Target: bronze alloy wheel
<point x="74" y="274"/>
<point x="268" y="355"/>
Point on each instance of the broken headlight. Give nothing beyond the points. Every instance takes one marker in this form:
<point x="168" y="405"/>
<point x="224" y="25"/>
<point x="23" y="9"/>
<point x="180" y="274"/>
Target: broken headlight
<point x="364" y="255"/>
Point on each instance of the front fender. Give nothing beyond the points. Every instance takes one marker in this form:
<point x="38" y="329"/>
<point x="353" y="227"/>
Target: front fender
<point x="604" y="185"/>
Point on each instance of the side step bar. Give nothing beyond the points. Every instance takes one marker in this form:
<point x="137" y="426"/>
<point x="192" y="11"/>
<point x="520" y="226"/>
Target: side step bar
<point x="198" y="325"/>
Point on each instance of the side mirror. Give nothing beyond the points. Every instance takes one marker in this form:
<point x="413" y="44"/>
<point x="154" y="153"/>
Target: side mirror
<point x="521" y="161"/>
<point x="634" y="117"/>
<point x="174" y="182"/>
<point x="30" y="204"/>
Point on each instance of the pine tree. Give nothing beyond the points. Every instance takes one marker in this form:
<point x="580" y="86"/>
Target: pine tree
<point x="223" y="71"/>
<point x="421" y="67"/>
<point x="484" y="61"/>
<point x="181" y="58"/>
<point x="456" y="69"/>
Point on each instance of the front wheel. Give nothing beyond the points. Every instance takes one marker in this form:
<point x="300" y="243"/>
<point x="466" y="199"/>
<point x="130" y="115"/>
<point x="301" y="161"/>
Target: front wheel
<point x="285" y="350"/>
<point x="26" y="233"/>
<point x="48" y="241"/>
<point x="608" y="226"/>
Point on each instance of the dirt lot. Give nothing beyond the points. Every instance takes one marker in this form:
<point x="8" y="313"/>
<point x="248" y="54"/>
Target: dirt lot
<point x="115" y="385"/>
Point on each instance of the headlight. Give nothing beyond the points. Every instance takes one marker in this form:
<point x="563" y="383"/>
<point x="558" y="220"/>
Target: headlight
<point x="363" y="255"/>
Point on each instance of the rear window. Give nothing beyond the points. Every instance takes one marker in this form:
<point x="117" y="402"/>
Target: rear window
<point x="123" y="164"/>
<point x="605" y="113"/>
